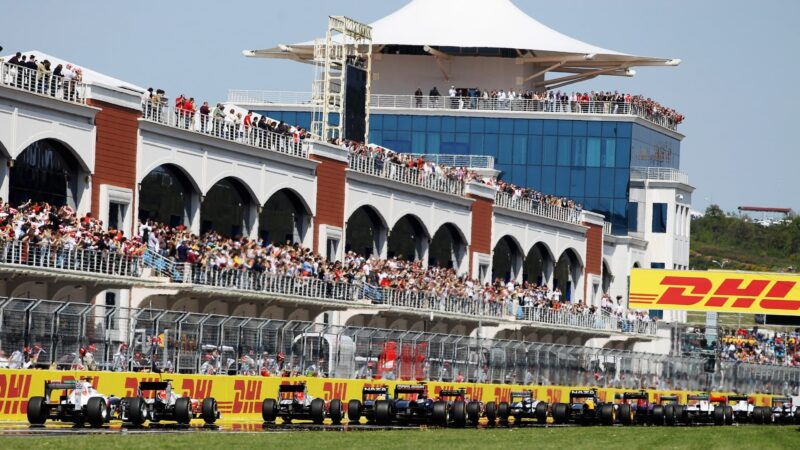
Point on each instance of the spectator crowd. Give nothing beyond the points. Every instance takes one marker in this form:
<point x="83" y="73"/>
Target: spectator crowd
<point x="761" y="347"/>
<point x="31" y="73"/>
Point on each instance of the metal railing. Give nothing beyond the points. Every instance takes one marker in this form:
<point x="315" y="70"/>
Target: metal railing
<point x="659" y="174"/>
<point x="18" y="253"/>
<point x="42" y="83"/>
<point x="122" y="339"/>
<point x="469" y="161"/>
<point x="408" y="175"/>
<point x="530" y="206"/>
<point x="226" y="129"/>
<point x="598" y="321"/>
<point x="427" y="102"/>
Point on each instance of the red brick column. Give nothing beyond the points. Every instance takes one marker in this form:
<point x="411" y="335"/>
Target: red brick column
<point x="594" y="254"/>
<point x="482" y="214"/>
<point x="330" y="187"/>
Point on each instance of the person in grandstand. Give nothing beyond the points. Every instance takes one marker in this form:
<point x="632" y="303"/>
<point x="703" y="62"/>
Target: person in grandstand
<point x="18" y="359"/>
<point x="209" y="365"/>
<point x="365" y="372"/>
<point x="87" y="358"/>
<point x="248" y="364"/>
<point x="120" y="361"/>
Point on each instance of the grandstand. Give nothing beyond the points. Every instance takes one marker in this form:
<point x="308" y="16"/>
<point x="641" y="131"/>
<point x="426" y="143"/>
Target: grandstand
<point x="236" y="230"/>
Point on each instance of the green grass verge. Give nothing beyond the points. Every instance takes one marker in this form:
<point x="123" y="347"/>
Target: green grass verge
<point x="701" y="438"/>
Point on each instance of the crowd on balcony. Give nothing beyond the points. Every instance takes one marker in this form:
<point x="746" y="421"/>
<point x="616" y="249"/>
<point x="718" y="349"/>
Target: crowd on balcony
<point x="760" y="346"/>
<point x="595" y="102"/>
<point x="39" y="75"/>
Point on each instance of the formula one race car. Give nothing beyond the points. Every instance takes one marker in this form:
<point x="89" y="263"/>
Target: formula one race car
<point x="671" y="408"/>
<point x="743" y="407"/>
<point x="783" y="411"/>
<point x="79" y="403"/>
<point x="356" y="409"/>
<point x="584" y="407"/>
<point x="294" y="403"/>
<point x="702" y="408"/>
<point x="635" y="408"/>
<point x="157" y="401"/>
<point x="522" y="407"/>
<point x="411" y="404"/>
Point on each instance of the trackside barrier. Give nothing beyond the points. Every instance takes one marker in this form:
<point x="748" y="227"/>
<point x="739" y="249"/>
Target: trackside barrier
<point x="240" y="397"/>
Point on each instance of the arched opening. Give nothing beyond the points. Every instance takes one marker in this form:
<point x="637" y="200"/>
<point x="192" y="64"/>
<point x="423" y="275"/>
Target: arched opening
<point x="608" y="277"/>
<point x="225" y="208"/>
<point x="506" y="259"/>
<point x="284" y="218"/>
<point x="538" y="265"/>
<point x="408" y="239"/>
<point x="567" y="274"/>
<point x="366" y="232"/>
<point x="165" y="196"/>
<point x="448" y="247"/>
<point x="46" y="171"/>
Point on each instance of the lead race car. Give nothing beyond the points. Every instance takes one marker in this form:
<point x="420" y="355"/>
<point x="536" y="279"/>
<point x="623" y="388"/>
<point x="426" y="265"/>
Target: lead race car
<point x="295" y="403"/>
<point x="635" y="408"/>
<point x="157" y="401"/>
<point x="79" y="403"/>
<point x="523" y="408"/>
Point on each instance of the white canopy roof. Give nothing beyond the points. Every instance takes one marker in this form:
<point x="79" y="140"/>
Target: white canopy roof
<point x="488" y="24"/>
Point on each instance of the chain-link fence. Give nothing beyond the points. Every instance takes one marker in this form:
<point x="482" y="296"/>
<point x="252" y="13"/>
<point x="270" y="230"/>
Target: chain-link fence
<point x="122" y="339"/>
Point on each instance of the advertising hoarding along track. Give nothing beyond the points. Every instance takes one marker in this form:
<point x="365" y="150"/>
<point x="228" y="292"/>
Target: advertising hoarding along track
<point x="723" y="291"/>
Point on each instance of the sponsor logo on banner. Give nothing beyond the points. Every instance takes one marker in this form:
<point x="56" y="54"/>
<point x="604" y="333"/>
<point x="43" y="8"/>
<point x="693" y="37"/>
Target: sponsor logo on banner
<point x="247" y="396"/>
<point x="197" y="388"/>
<point x="14" y="393"/>
<point x="334" y="390"/>
<point x="739" y="292"/>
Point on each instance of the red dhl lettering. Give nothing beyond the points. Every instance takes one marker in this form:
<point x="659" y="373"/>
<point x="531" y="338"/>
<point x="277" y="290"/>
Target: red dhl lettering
<point x="247" y="396"/>
<point x="197" y="388"/>
<point x="691" y="291"/>
<point x="15" y="386"/>
<point x="333" y="390"/>
<point x="553" y="395"/>
<point x="502" y="394"/>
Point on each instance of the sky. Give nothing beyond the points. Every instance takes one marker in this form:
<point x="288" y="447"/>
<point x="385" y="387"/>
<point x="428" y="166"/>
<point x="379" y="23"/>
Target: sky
<point x="736" y="84"/>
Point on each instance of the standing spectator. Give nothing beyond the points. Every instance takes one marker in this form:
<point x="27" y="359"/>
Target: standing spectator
<point x="418" y="97"/>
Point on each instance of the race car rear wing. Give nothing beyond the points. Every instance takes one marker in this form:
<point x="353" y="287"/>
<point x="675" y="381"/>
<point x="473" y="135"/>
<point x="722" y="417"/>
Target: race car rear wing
<point x="409" y="389"/>
<point x="697" y="397"/>
<point x="50" y="386"/>
<point x="291" y="388"/>
<point x="669" y="398"/>
<point x="153" y="385"/>
<point x="521" y="394"/>
<point x="741" y="398"/>
<point x="375" y="390"/>
<point x="452" y="393"/>
<point x="583" y="393"/>
<point x="636" y="396"/>
<point x="780" y="401"/>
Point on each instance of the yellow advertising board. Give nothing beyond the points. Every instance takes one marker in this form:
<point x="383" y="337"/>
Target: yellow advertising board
<point x="241" y="397"/>
<point x="723" y="291"/>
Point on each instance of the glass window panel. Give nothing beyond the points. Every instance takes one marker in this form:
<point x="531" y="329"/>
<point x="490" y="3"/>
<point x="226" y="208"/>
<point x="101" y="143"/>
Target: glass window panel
<point x="418" y="123"/>
<point x="549" y="150"/>
<point x="492" y="125"/>
<point x="519" y="176"/>
<point x="619" y="220"/>
<point x="535" y="177"/>
<point x="535" y="127"/>
<point x="506" y="149"/>
<point x="609" y="129"/>
<point x="434" y="123"/>
<point x="390" y="122"/>
<point x="476" y="124"/>
<point x="562" y="181"/>
<point x="462" y="124"/>
<point x="476" y="144"/>
<point x="659" y="217"/>
<point x="609" y="152"/>
<point x="376" y="137"/>
<point x="549" y="180"/>
<point x="490" y="145"/>
<point x="389" y="136"/>
<point x="621" y="182"/>
<point x="594" y="128"/>
<point x="418" y="142"/>
<point x="521" y="126"/>
<point x="577" y="182"/>
<point x="520" y="149"/>
<point x="462" y="137"/>
<point x="564" y="150"/>
<point x="633" y="216"/>
<point x="550" y="127"/>
<point x="534" y="150"/>
<point x="579" y="128"/>
<point x="434" y="142"/>
<point x="606" y="183"/>
<point x="505" y="171"/>
<point x="404" y="136"/>
<point x="404" y="123"/>
<point x="579" y="151"/>
<point x="624" y="129"/>
<point x="565" y="128"/>
<point x="623" y="157"/>
<point x="603" y="207"/>
<point x="592" y="182"/>
<point x="448" y="124"/>
<point x="506" y="126"/>
<point x="593" y="152"/>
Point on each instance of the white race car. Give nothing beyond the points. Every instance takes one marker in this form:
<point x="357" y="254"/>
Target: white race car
<point x="78" y="403"/>
<point x="157" y="401"/>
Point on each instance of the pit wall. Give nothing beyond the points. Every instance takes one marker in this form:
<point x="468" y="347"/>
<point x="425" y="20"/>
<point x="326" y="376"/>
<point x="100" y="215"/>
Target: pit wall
<point x="240" y="397"/>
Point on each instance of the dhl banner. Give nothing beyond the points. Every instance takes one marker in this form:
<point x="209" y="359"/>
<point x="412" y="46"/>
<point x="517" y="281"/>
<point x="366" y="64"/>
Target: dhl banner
<point x="739" y="292"/>
<point x="241" y="397"/>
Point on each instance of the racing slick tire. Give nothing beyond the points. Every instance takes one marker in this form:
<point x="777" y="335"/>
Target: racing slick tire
<point x="657" y="415"/>
<point x="37" y="410"/>
<point x="458" y="414"/>
<point x="336" y="411"/>
<point x="719" y="414"/>
<point x="490" y="411"/>
<point x="96" y="411"/>
<point x="473" y="413"/>
<point x="756" y="416"/>
<point x="318" y="411"/>
<point x="209" y="410"/>
<point x="560" y="413"/>
<point x="607" y="415"/>
<point x="682" y="415"/>
<point x="440" y="414"/>
<point x="625" y="414"/>
<point x="137" y="410"/>
<point x="729" y="415"/>
<point x="540" y="413"/>
<point x="670" y="415"/>
<point x="183" y="410"/>
<point x="269" y="410"/>
<point x="383" y="412"/>
<point x="353" y="411"/>
<point x="503" y="412"/>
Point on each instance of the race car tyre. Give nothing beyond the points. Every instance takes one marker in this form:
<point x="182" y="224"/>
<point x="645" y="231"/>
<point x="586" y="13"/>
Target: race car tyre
<point x="541" y="412"/>
<point x="383" y="412"/>
<point x="96" y="411"/>
<point x="336" y="411"/>
<point x="503" y="412"/>
<point x="209" y="410"/>
<point x="607" y="415"/>
<point x="625" y="414"/>
<point x="473" y="412"/>
<point x="353" y="411"/>
<point x="458" y="414"/>
<point x="137" y="410"/>
<point x="669" y="415"/>
<point x="560" y="413"/>
<point x="729" y="415"/>
<point x="681" y="414"/>
<point x="183" y="410"/>
<point x="318" y="411"/>
<point x="657" y="417"/>
<point x="756" y="417"/>
<point x="719" y="415"/>
<point x="440" y="413"/>
<point x="37" y="410"/>
<point x="269" y="410"/>
<point x="490" y="411"/>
